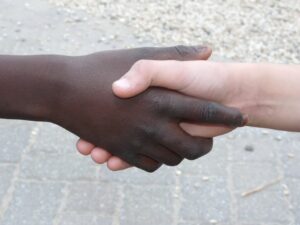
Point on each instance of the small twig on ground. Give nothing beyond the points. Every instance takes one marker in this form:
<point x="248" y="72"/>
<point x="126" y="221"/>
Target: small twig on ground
<point x="261" y="188"/>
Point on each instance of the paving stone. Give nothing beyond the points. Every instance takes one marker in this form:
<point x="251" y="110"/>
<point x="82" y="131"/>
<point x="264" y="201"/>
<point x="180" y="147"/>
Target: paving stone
<point x="147" y="205"/>
<point x="264" y="147"/>
<point x="265" y="206"/>
<point x="14" y="136"/>
<point x="37" y="27"/>
<point x="33" y="203"/>
<point x="43" y="166"/>
<point x="205" y="200"/>
<point x="248" y="176"/>
<point x="163" y="176"/>
<point x="54" y="139"/>
<point x="290" y="157"/>
<point x="90" y="218"/>
<point x="214" y="163"/>
<point x="99" y="198"/>
<point x="6" y="175"/>
<point x="212" y="222"/>
<point x="293" y="186"/>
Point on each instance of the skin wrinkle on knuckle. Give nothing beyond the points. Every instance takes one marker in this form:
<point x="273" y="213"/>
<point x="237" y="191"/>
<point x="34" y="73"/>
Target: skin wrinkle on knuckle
<point x="160" y="102"/>
<point x="210" y="112"/>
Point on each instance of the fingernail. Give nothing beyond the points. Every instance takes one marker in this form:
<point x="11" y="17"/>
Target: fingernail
<point x="201" y="48"/>
<point x="122" y="83"/>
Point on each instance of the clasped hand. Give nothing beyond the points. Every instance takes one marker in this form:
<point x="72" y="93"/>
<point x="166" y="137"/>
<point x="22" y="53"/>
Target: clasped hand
<point x="144" y="130"/>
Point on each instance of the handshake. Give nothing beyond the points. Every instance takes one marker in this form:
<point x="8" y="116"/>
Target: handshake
<point x="123" y="124"/>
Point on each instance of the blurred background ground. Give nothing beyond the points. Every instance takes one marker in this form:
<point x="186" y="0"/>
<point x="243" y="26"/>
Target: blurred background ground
<point x="43" y="181"/>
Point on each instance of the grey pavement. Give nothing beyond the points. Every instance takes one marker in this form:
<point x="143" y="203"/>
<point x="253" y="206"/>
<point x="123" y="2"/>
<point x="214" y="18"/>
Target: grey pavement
<point x="252" y="177"/>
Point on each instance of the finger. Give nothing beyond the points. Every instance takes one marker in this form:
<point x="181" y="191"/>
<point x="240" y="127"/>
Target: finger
<point x="114" y="163"/>
<point x="84" y="147"/>
<point x="179" y="52"/>
<point x="183" y="144"/>
<point x="143" y="162"/>
<point x="163" y="155"/>
<point x="208" y="131"/>
<point x="146" y="163"/>
<point x="200" y="111"/>
<point x="100" y="155"/>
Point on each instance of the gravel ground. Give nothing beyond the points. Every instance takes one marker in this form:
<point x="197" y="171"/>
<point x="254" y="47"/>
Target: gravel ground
<point x="250" y="178"/>
<point x="244" y="30"/>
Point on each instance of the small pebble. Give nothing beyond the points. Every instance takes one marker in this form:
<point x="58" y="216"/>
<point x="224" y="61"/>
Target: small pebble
<point x="291" y="155"/>
<point x="173" y="21"/>
<point x="278" y="138"/>
<point x="286" y="191"/>
<point x="205" y="178"/>
<point x="213" y="221"/>
<point x="197" y="185"/>
<point x="230" y="136"/>
<point x="265" y="132"/>
<point x="249" y="148"/>
<point x="178" y="172"/>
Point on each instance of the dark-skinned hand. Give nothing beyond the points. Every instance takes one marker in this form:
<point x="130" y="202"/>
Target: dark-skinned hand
<point x="144" y="130"/>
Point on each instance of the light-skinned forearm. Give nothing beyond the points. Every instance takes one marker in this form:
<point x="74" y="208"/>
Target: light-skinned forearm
<point x="268" y="93"/>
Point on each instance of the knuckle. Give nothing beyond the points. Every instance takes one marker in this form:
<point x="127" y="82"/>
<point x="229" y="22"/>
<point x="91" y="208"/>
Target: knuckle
<point x="161" y="102"/>
<point x="174" y="162"/>
<point x="150" y="131"/>
<point x="210" y="111"/>
<point x="192" y="154"/>
<point x="152" y="168"/>
<point x="195" y="152"/>
<point x="140" y="66"/>
<point x="136" y="143"/>
<point x="144" y="132"/>
<point x="207" y="146"/>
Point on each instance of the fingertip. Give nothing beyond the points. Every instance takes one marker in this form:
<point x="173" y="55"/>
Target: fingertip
<point x="204" y="52"/>
<point x="122" y="88"/>
<point x="117" y="164"/>
<point x="238" y="119"/>
<point x="122" y="83"/>
<point x="100" y="155"/>
<point x="207" y="52"/>
<point x="127" y="90"/>
<point x="84" y="147"/>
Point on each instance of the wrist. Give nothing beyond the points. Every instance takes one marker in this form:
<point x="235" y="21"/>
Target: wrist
<point x="57" y="84"/>
<point x="31" y="86"/>
<point x="243" y="83"/>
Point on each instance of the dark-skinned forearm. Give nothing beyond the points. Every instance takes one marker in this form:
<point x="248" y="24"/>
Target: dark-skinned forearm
<point x="30" y="86"/>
